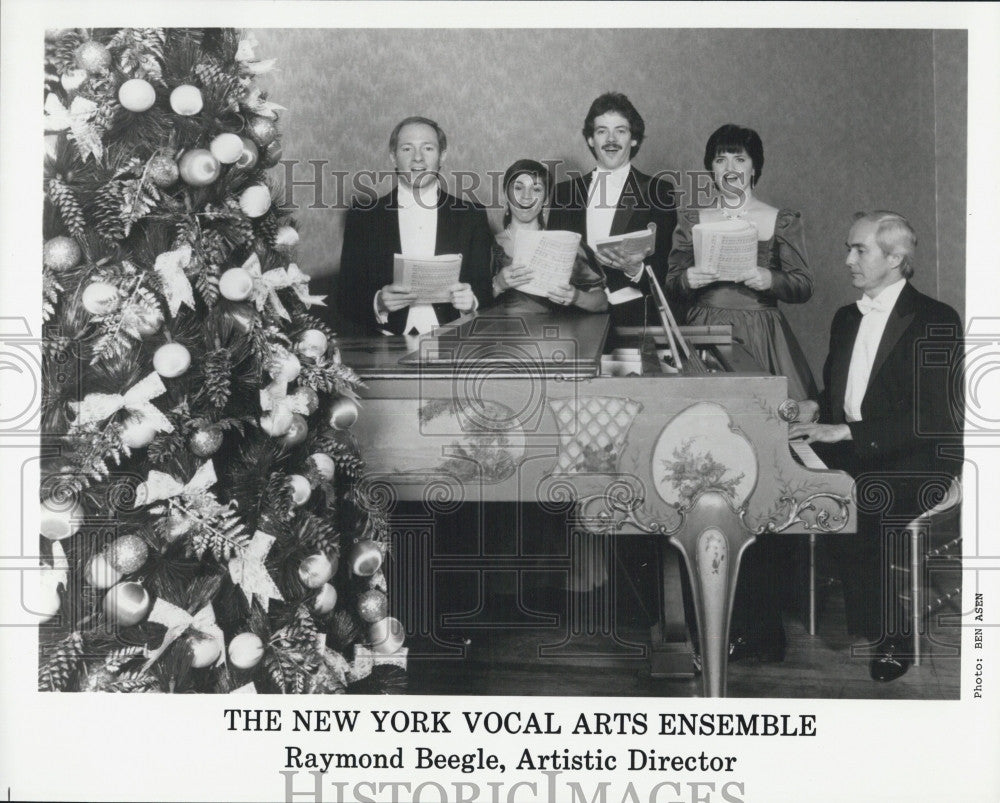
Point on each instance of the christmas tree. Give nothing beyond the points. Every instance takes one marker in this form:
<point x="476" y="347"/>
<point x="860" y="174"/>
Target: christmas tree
<point x="202" y="526"/>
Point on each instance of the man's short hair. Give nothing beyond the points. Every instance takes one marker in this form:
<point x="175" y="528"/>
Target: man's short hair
<point x="620" y="104"/>
<point x="394" y="136"/>
<point x="894" y="235"/>
<point x="731" y="138"/>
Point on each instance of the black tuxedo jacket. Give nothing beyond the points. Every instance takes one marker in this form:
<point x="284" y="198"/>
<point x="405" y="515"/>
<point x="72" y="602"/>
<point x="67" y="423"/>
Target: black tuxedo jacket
<point x="912" y="406"/>
<point x="642" y="201"/>
<point x="371" y="239"/>
<point x="912" y="416"/>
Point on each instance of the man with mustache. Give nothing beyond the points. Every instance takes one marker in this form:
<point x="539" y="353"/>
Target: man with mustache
<point x="416" y="219"/>
<point x="887" y="418"/>
<point x="614" y="199"/>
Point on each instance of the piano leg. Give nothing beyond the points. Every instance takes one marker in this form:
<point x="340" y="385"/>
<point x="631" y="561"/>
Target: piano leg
<point x="671" y="654"/>
<point x="712" y="539"/>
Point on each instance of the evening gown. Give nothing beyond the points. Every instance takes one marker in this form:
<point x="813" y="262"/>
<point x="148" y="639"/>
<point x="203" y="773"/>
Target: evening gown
<point x="759" y="325"/>
<point x="757" y="322"/>
<point x="515" y="301"/>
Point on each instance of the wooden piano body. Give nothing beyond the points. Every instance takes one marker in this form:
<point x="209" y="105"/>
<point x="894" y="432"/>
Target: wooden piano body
<point x="505" y="408"/>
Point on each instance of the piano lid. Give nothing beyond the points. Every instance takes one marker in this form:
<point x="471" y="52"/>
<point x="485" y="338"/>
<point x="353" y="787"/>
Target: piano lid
<point x="563" y="343"/>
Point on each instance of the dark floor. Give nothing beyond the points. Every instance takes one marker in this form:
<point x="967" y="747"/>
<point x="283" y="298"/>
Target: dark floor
<point x="500" y="652"/>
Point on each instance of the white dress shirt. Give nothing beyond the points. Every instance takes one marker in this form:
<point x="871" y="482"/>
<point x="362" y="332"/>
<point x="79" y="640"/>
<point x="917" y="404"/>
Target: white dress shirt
<point x="606" y="188"/>
<point x="602" y="202"/>
<point x="876" y="315"/>
<point x="417" y="238"/>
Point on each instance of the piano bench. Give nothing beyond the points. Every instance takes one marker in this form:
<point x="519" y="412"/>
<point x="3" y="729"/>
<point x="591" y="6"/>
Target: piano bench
<point x="929" y="574"/>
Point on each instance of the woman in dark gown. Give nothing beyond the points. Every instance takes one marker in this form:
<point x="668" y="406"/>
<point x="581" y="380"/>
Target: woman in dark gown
<point x="526" y="187"/>
<point x="735" y="155"/>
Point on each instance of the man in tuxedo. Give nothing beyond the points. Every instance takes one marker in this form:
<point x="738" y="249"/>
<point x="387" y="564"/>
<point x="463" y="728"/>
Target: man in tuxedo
<point x="417" y="219"/>
<point x="614" y="199"/>
<point x="886" y="416"/>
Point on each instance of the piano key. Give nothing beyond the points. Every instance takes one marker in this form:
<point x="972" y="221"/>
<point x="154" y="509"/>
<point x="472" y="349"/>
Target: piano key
<point x="805" y="455"/>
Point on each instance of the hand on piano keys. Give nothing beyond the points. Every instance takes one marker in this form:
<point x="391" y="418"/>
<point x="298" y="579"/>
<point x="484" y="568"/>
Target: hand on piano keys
<point x="824" y="433"/>
<point x="804" y="454"/>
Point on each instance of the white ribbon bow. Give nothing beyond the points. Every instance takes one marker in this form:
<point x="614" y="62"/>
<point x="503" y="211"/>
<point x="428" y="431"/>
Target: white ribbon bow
<point x="77" y="119"/>
<point x="159" y="486"/>
<point x="137" y="400"/>
<point x="245" y="49"/>
<point x="298" y="280"/>
<point x="277" y="398"/>
<point x="248" y="571"/>
<point x="51" y="577"/>
<point x="176" y="285"/>
<point x="266" y="285"/>
<point x="255" y="102"/>
<point x="177" y="620"/>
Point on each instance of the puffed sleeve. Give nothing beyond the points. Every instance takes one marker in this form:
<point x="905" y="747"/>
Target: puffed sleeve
<point x="681" y="255"/>
<point x="791" y="279"/>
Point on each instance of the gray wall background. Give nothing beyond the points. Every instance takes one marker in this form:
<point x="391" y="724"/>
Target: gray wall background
<point x="851" y="120"/>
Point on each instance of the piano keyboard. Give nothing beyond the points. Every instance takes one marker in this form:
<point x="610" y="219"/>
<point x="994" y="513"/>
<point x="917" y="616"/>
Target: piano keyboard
<point x="805" y="455"/>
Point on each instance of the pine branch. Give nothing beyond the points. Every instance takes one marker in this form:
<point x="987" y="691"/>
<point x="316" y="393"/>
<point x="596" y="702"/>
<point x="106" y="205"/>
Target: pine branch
<point x="63" y="54"/>
<point x="142" y="52"/>
<point x="90" y="449"/>
<point x="116" y="660"/>
<point x="134" y="683"/>
<point x="139" y="198"/>
<point x="50" y="294"/>
<point x="215" y="528"/>
<point x="330" y="378"/>
<point x="206" y="281"/>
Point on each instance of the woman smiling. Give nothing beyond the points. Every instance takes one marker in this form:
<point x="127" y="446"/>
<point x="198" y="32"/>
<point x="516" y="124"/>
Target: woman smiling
<point x="526" y="186"/>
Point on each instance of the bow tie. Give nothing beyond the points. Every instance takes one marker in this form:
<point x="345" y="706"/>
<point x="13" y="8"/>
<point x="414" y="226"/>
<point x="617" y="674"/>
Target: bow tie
<point x="866" y="305"/>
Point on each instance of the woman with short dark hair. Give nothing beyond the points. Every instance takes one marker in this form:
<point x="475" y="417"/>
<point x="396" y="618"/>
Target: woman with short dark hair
<point x="735" y="156"/>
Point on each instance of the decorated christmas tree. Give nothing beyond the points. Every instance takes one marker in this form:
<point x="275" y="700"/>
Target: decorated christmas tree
<point x="202" y="527"/>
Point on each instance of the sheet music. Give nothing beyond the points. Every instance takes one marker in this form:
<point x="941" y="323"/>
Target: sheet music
<point x="549" y="254"/>
<point x="428" y="277"/>
<point x="641" y="243"/>
<point x="726" y="247"/>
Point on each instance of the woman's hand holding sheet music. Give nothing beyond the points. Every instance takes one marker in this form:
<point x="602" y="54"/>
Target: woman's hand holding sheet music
<point x="698" y="277"/>
<point x="564" y="294"/>
<point x="758" y="279"/>
<point x="514" y="275"/>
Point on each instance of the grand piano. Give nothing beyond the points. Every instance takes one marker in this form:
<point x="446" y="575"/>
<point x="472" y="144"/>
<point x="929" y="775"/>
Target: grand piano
<point x="638" y="431"/>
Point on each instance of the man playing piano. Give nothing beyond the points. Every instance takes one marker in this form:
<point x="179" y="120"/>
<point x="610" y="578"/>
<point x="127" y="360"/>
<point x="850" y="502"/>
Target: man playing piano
<point x="416" y="219"/>
<point x="886" y="417"/>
